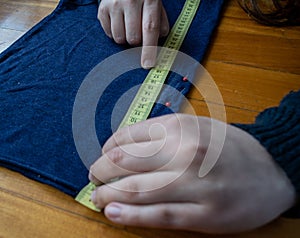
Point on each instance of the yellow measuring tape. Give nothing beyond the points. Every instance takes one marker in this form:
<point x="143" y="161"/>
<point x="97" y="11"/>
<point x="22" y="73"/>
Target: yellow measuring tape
<point x="148" y="92"/>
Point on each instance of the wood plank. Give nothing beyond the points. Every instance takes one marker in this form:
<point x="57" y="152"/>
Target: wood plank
<point x="44" y="194"/>
<point x="36" y="209"/>
<point x="235" y="19"/>
<point x="216" y="111"/>
<point x="245" y="42"/>
<point x="255" y="52"/>
<point x="7" y="37"/>
<point x="17" y="17"/>
<point x="33" y="192"/>
<point x="245" y="87"/>
<point x="31" y="219"/>
<point x="22" y="15"/>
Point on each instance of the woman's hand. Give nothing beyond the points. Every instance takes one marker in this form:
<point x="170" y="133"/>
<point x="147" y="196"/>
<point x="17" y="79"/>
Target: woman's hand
<point x="135" y="22"/>
<point x="158" y="161"/>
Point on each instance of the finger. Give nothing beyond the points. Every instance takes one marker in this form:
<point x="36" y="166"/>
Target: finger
<point x="133" y="23"/>
<point x="104" y="19"/>
<point x="117" y="26"/>
<point x="164" y="26"/>
<point x="151" y="129"/>
<point x="130" y="159"/>
<point x="141" y="189"/>
<point x="187" y="216"/>
<point x="151" y="29"/>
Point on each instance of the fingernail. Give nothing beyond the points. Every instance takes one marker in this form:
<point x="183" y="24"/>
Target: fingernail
<point x="147" y="64"/>
<point x="113" y="211"/>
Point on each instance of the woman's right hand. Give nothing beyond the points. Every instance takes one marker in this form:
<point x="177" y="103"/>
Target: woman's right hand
<point x="135" y="22"/>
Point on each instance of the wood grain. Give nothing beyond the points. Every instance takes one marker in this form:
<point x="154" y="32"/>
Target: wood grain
<point x="254" y="66"/>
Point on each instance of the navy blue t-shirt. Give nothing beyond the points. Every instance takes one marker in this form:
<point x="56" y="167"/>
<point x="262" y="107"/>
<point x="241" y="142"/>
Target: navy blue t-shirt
<point x="41" y="73"/>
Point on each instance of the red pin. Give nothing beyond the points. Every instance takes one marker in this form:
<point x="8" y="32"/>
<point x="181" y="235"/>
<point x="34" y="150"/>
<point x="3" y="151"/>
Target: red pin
<point x="167" y="104"/>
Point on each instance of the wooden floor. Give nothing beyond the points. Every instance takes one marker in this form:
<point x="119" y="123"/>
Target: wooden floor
<point x="253" y="66"/>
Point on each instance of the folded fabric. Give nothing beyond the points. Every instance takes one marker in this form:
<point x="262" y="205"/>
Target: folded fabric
<point x="41" y="73"/>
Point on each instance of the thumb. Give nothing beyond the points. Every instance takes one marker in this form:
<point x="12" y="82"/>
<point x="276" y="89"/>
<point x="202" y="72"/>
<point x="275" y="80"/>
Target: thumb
<point x="186" y="216"/>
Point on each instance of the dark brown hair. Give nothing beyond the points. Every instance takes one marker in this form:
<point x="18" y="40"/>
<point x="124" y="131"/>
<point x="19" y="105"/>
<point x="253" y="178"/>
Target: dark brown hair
<point x="273" y="12"/>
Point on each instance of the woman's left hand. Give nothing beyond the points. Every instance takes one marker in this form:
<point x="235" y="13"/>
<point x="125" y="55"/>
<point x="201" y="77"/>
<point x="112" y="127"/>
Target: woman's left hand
<point x="158" y="161"/>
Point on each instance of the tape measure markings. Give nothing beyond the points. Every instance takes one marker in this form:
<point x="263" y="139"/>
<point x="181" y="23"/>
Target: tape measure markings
<point x="148" y="92"/>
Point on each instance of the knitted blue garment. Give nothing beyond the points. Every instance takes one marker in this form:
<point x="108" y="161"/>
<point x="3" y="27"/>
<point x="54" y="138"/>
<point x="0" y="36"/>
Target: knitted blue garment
<point x="277" y="129"/>
<point x="41" y="73"/>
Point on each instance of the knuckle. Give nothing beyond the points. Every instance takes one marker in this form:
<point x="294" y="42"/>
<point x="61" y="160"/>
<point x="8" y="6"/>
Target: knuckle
<point x="131" y="2"/>
<point x="131" y="196"/>
<point x="167" y="216"/>
<point x="132" y="189"/>
<point x="120" y="137"/>
<point x="130" y="192"/>
<point x="101" y="198"/>
<point x="134" y="40"/>
<point x="102" y="10"/>
<point x="151" y="25"/>
<point x="119" y="39"/>
<point x="115" y="3"/>
<point x="116" y="155"/>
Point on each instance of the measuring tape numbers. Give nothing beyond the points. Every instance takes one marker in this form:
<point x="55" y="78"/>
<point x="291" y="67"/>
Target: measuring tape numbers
<point x="148" y="92"/>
